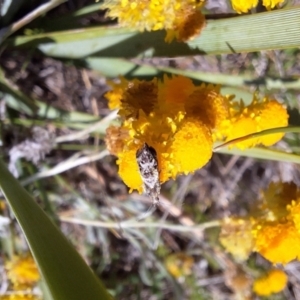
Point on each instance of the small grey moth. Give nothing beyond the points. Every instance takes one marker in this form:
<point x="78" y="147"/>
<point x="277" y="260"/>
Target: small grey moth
<point x="148" y="166"/>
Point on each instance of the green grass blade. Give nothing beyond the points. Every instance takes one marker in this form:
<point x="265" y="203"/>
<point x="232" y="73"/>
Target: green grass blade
<point x="286" y="129"/>
<point x="112" y="67"/>
<point x="66" y="274"/>
<point x="264" y="154"/>
<point x="236" y="80"/>
<point x="277" y="29"/>
<point x="261" y="153"/>
<point x="42" y="9"/>
<point x="22" y="102"/>
<point x="8" y="10"/>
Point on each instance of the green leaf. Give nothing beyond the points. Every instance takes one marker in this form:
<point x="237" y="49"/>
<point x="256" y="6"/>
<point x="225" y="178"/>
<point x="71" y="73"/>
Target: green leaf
<point x="237" y="80"/>
<point x="277" y="29"/>
<point x="113" y="67"/>
<point x="64" y="271"/>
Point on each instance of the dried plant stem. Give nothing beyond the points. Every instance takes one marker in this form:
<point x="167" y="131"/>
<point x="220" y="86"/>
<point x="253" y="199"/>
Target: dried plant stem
<point x="65" y="165"/>
<point x="7" y="31"/>
<point x="134" y="224"/>
<point x="84" y="133"/>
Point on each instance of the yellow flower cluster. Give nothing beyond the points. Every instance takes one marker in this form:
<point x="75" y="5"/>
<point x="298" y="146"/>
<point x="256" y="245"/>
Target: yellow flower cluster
<point x="243" y="6"/>
<point x="274" y="232"/>
<point x="273" y="282"/>
<point x="181" y="19"/>
<point x="180" y="121"/>
<point x="23" y="275"/>
<point x="173" y="116"/>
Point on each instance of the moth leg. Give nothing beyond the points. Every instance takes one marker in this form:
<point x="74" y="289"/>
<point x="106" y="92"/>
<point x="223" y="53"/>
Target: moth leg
<point x="150" y="210"/>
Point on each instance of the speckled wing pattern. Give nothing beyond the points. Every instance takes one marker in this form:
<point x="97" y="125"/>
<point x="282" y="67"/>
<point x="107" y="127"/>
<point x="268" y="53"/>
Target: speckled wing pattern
<point x="148" y="167"/>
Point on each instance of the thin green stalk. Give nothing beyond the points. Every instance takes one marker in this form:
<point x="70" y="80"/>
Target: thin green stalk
<point x="124" y="225"/>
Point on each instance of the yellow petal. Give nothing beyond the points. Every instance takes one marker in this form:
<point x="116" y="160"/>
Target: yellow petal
<point x="269" y="4"/>
<point x="277" y="242"/>
<point x="273" y="282"/>
<point x="22" y="271"/>
<point x="243" y="6"/>
<point x="191" y="147"/>
<point x="242" y="127"/>
<point x="128" y="169"/>
<point x="271" y="115"/>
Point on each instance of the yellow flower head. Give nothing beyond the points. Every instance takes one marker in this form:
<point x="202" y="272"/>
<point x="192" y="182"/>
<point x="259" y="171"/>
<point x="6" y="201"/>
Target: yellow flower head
<point x="273" y="230"/>
<point x="243" y="6"/>
<point x="259" y="115"/>
<point x="156" y="131"/>
<point x="191" y="146"/>
<point x="115" y="137"/>
<point x="207" y="103"/>
<point x="174" y="15"/>
<point x="277" y="242"/>
<point x="241" y="127"/>
<point x="179" y="264"/>
<point x="186" y="26"/>
<point x="236" y="237"/>
<point x="174" y="91"/>
<point x="270" y="4"/>
<point x="164" y="115"/>
<point x="269" y="114"/>
<point x="139" y="95"/>
<point x="115" y="95"/>
<point x="114" y="98"/>
<point x="273" y="282"/>
<point x="22" y="271"/>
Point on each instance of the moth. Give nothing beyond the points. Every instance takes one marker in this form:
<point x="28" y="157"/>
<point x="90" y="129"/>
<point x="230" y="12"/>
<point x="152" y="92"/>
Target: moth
<point x="148" y="166"/>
